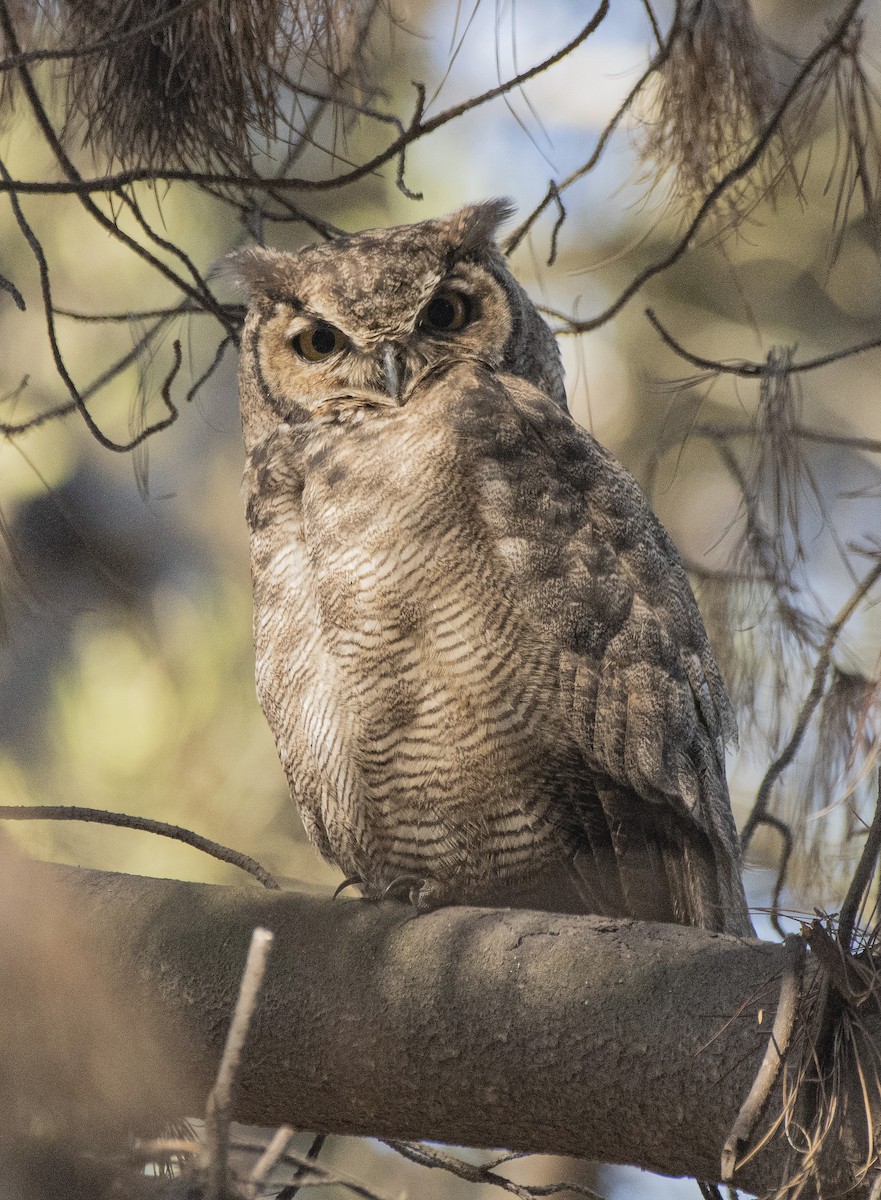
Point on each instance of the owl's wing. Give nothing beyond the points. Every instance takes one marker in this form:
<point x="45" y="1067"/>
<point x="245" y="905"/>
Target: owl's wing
<point x="640" y="692"/>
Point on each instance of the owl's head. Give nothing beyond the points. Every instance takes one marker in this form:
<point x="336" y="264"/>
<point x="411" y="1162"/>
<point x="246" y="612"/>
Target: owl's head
<point x="357" y="322"/>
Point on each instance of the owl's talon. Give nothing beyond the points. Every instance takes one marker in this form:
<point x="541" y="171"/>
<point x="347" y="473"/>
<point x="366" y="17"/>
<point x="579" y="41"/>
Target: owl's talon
<point x="424" y="894"/>
<point x="352" y="881"/>
<point x="405" y="887"/>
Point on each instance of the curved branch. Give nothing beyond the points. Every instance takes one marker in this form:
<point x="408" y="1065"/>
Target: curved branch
<point x="750" y="370"/>
<point x="200" y="294"/>
<point x="808" y="708"/>
<point x="737" y="173"/>
<point x="75" y="185"/>
<point x="553" y="194"/>
<point x="775" y="1054"/>
<point x="99" y="816"/>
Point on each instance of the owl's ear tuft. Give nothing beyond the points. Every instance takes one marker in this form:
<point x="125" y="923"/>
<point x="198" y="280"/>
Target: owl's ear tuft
<point x="474" y="227"/>
<point x="259" y="269"/>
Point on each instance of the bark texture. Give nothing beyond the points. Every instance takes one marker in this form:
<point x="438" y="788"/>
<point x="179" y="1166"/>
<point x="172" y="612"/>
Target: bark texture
<point x="616" y="1040"/>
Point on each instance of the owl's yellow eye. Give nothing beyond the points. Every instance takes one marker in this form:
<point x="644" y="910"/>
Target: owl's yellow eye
<point x="319" y="341"/>
<point x="446" y="312"/>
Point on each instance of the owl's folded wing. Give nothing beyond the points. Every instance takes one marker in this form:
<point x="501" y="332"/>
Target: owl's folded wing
<point x="639" y="689"/>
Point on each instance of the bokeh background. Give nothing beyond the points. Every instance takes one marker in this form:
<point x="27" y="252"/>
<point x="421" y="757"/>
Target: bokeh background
<point x="126" y="678"/>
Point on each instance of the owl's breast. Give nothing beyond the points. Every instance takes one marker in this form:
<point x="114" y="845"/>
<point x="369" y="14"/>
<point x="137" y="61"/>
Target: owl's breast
<point x="418" y="692"/>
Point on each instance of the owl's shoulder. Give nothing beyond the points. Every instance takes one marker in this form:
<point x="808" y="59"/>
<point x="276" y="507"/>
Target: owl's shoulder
<point x="591" y="562"/>
<point x="523" y="438"/>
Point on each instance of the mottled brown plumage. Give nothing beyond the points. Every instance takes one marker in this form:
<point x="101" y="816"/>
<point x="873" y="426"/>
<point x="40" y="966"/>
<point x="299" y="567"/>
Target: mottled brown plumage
<point x="477" y="648"/>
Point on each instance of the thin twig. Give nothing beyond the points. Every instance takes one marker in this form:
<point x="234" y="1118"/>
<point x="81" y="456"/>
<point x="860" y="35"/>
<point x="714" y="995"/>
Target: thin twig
<point x="270" y="1157"/>
<point x="209" y="303"/>
<point x="147" y="314"/>
<point x="315" y="1175"/>
<point x="12" y="429"/>
<point x="433" y="1156"/>
<point x="201" y="295"/>
<point x="724" y="433"/>
<point x="653" y="21"/>
<point x="552" y="195"/>
<point x="731" y="177"/>
<point x="786" y="849"/>
<point x="775" y="1053"/>
<point x="76" y="185"/>
<point x="98" y="816"/>
<point x="749" y="370"/>
<point x="7" y="285"/>
<point x="199" y="383"/>
<point x="45" y="287"/>
<point x="862" y="878"/>
<point x="218" y="1111"/>
<point x="293" y="1189"/>
<point x="812" y="700"/>
<point x="558" y="225"/>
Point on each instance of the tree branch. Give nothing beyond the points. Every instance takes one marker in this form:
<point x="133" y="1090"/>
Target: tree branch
<point x="417" y="128"/>
<point x="737" y="173"/>
<point x="615" y="1040"/>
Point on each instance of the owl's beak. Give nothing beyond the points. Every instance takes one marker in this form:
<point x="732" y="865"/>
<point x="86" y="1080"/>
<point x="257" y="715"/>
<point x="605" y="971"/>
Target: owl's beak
<point x="393" y="369"/>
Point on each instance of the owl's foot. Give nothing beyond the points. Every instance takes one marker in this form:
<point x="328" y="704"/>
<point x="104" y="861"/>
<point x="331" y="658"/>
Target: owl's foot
<point x="352" y="881"/>
<point x="423" y="894"/>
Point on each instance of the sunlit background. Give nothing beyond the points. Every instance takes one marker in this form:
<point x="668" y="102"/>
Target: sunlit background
<point x="127" y="674"/>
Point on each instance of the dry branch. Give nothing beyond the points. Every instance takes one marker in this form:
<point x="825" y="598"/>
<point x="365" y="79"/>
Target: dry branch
<point x="614" y="1040"/>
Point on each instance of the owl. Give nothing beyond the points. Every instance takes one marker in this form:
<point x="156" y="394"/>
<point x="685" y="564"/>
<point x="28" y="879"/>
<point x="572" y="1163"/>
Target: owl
<point x="476" y="646"/>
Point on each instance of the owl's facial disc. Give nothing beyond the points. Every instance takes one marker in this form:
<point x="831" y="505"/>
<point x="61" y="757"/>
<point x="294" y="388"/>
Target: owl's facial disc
<point x="323" y="356"/>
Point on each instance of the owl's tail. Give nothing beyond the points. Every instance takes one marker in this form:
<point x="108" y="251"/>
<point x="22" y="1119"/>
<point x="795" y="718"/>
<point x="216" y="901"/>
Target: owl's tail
<point x="654" y="865"/>
<point x="705" y="883"/>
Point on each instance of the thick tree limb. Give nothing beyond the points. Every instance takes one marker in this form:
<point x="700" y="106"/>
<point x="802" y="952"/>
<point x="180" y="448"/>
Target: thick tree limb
<point x="616" y="1040"/>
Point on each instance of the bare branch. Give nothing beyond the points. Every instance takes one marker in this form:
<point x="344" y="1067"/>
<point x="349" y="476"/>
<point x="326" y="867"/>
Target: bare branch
<point x="7" y="285"/>
<point x="270" y="1156"/>
<point x="218" y="1113"/>
<point x="730" y="178"/>
<point x="12" y="429"/>
<point x="432" y="1156"/>
<point x="201" y="296"/>
<point x="653" y="21"/>
<point x="199" y="383"/>
<point x="553" y="194"/>
<point x="813" y="698"/>
<point x="860" y="884"/>
<point x="786" y="849"/>
<point x="751" y="370"/>
<point x="312" y="1154"/>
<point x="775" y="1055"/>
<point x="724" y="433"/>
<point x="45" y="286"/>
<point x="146" y="314"/>
<point x="98" y="816"/>
<point x="416" y="129"/>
